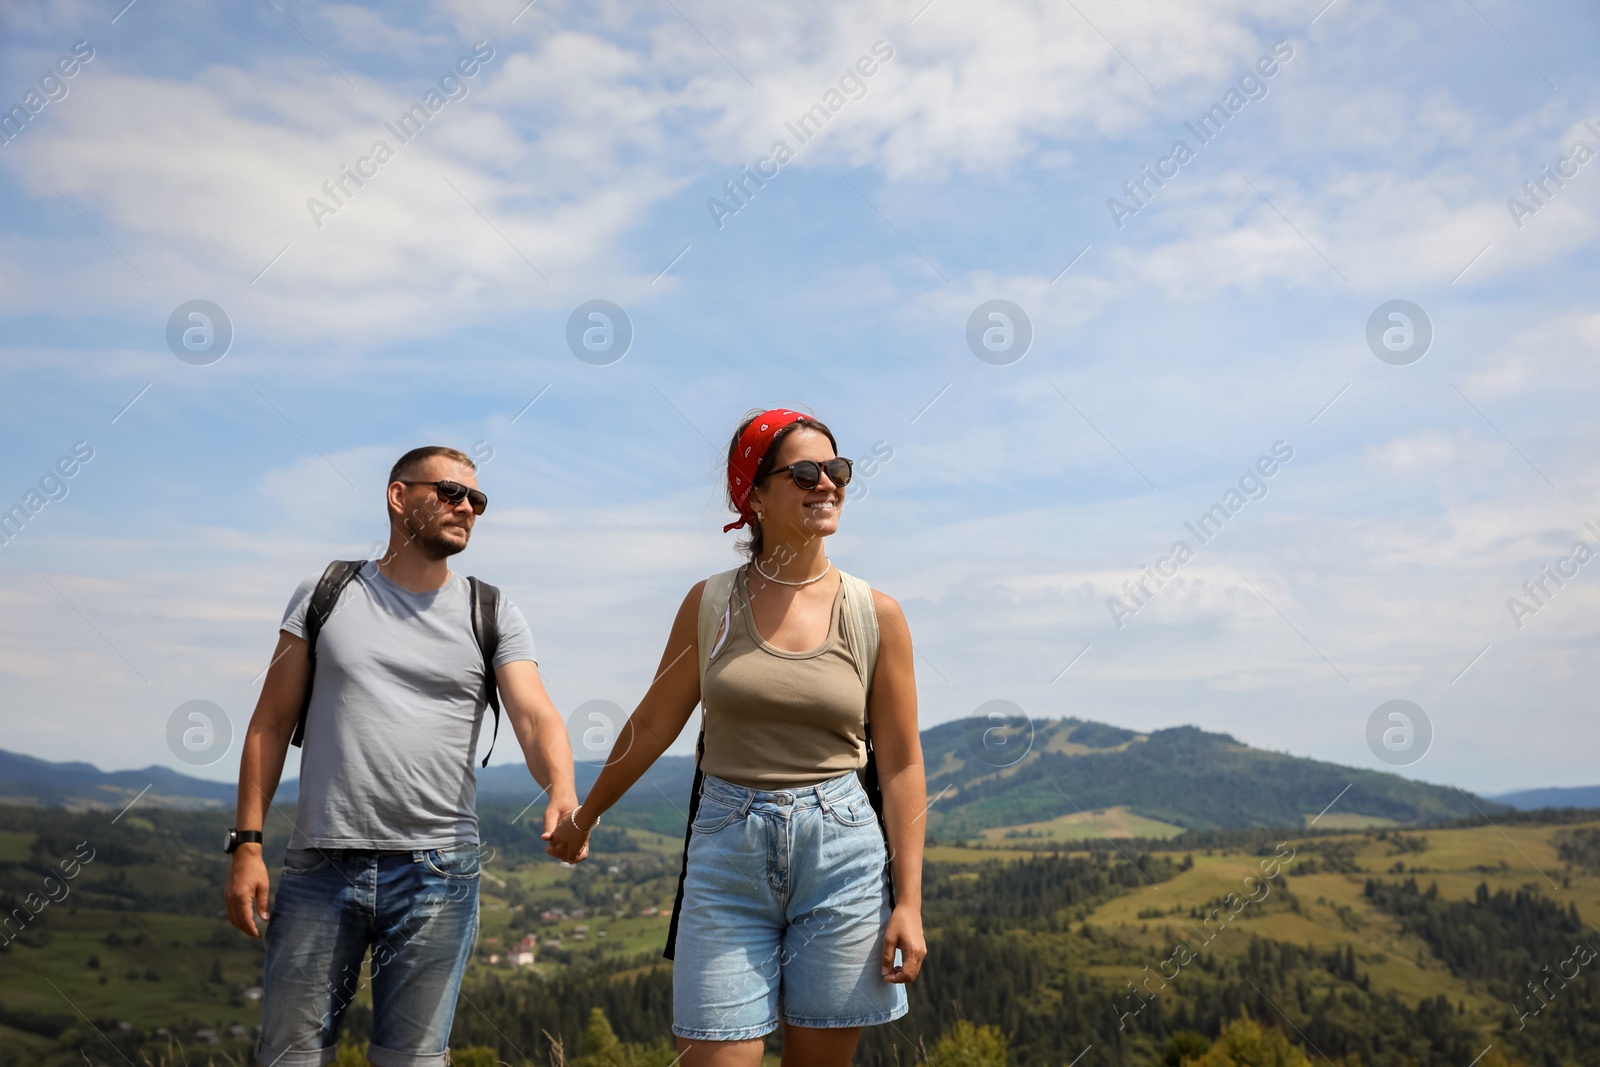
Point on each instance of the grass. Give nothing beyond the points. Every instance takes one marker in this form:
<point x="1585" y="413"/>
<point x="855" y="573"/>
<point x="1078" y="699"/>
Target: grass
<point x="177" y="948"/>
<point x="1083" y="826"/>
<point x="14" y="847"/>
<point x="1348" y="821"/>
<point x="953" y="854"/>
<point x="1331" y="909"/>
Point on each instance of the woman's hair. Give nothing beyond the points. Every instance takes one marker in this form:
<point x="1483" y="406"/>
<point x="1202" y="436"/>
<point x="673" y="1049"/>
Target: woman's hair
<point x="752" y="545"/>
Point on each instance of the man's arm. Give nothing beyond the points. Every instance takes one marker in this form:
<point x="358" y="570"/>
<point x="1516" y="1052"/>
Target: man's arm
<point x="266" y="743"/>
<point x="542" y="735"/>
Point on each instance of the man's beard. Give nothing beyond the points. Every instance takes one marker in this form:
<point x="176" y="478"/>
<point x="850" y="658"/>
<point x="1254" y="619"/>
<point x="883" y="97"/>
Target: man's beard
<point x="432" y="543"/>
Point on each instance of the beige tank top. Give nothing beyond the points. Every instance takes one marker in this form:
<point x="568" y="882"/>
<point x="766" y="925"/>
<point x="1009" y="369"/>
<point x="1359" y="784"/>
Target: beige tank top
<point x="782" y="720"/>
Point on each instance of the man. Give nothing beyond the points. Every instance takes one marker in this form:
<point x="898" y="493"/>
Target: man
<point x="384" y="850"/>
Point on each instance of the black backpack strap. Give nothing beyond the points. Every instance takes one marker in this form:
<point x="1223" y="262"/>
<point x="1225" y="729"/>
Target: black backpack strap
<point x="486" y="631"/>
<point x="683" y="872"/>
<point x="337" y="575"/>
<point x="869" y="782"/>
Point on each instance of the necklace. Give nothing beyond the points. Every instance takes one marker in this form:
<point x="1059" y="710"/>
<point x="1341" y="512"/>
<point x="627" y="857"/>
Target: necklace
<point x="804" y="581"/>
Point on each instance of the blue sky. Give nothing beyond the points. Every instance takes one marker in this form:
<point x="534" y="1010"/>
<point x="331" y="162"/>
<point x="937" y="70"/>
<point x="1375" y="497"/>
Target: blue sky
<point x="1228" y="314"/>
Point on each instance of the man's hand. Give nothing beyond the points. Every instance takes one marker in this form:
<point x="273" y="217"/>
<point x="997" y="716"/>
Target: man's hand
<point x="566" y="842"/>
<point x="246" y="891"/>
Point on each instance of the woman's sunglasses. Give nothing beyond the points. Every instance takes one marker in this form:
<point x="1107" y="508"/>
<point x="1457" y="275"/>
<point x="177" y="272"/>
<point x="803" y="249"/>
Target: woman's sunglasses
<point x="453" y="493"/>
<point x="807" y="474"/>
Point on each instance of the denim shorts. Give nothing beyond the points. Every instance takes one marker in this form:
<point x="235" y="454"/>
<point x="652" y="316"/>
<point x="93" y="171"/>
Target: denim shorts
<point x="417" y="911"/>
<point x="785" y="905"/>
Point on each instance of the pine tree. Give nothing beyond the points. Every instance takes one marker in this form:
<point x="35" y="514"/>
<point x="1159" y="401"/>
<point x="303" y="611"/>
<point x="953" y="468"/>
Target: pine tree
<point x="601" y="1048"/>
<point x="600" y="1045"/>
<point x="965" y="1045"/>
<point x="1246" y="1043"/>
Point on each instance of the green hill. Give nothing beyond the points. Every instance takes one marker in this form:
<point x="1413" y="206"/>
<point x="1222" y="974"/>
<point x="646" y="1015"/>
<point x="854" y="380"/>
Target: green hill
<point x="998" y="773"/>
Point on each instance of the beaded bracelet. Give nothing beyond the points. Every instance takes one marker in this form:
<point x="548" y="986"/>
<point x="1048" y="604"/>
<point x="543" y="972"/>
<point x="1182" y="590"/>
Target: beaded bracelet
<point x="572" y="817"/>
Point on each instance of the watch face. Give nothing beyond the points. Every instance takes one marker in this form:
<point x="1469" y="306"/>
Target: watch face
<point x="229" y="841"/>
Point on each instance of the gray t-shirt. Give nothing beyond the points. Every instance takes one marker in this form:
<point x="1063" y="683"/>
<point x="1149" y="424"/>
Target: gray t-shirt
<point x="395" y="715"/>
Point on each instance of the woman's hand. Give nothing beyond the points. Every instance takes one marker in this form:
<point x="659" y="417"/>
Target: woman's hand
<point x="567" y="842"/>
<point x="905" y="934"/>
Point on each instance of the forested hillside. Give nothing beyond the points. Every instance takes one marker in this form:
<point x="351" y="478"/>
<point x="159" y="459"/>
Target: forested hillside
<point x="1382" y="947"/>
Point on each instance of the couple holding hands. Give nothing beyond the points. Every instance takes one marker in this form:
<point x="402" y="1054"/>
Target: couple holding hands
<point x="800" y="892"/>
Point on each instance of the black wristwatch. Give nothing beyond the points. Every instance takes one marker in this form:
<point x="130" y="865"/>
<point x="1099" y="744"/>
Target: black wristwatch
<point x="241" y="837"/>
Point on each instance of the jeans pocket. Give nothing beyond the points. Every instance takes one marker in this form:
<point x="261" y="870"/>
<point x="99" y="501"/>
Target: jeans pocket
<point x="854" y="811"/>
<point x="304" y="860"/>
<point x="712" y="815"/>
<point x="460" y="862"/>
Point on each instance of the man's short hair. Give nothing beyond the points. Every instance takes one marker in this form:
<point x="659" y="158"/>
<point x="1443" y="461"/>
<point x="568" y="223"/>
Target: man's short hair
<point x="407" y="465"/>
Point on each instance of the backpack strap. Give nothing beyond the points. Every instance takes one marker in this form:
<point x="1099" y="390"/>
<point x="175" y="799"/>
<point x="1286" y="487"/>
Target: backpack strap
<point x="716" y="617"/>
<point x="486" y="631"/>
<point x="861" y="638"/>
<point x="337" y="575"/>
<point x="711" y="634"/>
<point x="860" y="627"/>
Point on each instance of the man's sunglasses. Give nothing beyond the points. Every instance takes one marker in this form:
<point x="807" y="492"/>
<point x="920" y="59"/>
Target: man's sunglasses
<point x="807" y="474"/>
<point x="453" y="493"/>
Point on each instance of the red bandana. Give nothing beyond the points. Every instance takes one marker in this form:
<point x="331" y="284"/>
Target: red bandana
<point x="753" y="445"/>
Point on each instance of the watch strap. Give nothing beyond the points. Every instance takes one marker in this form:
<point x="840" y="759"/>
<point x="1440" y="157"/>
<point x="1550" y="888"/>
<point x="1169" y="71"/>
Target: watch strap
<point x="243" y="837"/>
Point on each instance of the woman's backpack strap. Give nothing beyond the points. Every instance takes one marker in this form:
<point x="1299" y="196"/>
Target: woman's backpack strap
<point x="861" y="637"/>
<point x="860" y="627"/>
<point x="716" y="616"/>
<point x="683" y="871"/>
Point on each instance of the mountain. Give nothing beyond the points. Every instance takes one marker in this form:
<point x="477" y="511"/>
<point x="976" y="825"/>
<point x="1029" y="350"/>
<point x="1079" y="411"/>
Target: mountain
<point x="988" y="773"/>
<point x="1581" y="796"/>
<point x="78" y="786"/>
<point x="1049" y="778"/>
<point x="26" y="780"/>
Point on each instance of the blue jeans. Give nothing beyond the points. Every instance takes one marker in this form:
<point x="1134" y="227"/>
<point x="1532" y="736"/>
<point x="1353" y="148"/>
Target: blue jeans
<point x="417" y="911"/>
<point x="785" y="907"/>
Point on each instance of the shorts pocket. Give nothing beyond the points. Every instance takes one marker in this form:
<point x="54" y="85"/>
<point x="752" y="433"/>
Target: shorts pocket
<point x="453" y="862"/>
<point x="304" y="860"/>
<point x="712" y="815"/>
<point x="854" y="811"/>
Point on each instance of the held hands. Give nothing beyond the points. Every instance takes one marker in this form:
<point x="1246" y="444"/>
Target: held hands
<point x="564" y="841"/>
<point x="904" y="933"/>
<point x="246" y="889"/>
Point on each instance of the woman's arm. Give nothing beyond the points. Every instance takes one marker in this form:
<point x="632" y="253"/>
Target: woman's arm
<point x="654" y="724"/>
<point x="898" y="747"/>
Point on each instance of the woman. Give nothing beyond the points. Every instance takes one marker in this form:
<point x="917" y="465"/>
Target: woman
<point x="786" y="904"/>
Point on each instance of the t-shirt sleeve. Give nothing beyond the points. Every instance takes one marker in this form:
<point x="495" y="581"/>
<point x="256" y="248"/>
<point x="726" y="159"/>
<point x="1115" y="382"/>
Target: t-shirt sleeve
<point x="294" y="616"/>
<point x="516" y="640"/>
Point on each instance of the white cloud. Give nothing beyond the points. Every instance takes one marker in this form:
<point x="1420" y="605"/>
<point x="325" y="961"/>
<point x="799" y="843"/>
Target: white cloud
<point x="364" y="30"/>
